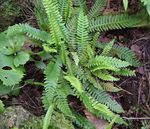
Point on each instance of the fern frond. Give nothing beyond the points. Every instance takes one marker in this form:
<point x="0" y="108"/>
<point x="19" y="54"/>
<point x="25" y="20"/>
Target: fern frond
<point x="125" y="72"/>
<point x="123" y="53"/>
<point x="52" y="73"/>
<point x="41" y="15"/>
<point x="97" y="8"/>
<point x="83" y="122"/>
<point x="65" y="7"/>
<point x="104" y="62"/>
<point x="102" y="97"/>
<point x="104" y="75"/>
<point x="57" y="28"/>
<point x="75" y="83"/>
<point x="29" y="31"/>
<point x="126" y="54"/>
<point x="108" y="48"/>
<point x="82" y="34"/>
<point x="72" y="28"/>
<point x="110" y="22"/>
<point x="61" y="102"/>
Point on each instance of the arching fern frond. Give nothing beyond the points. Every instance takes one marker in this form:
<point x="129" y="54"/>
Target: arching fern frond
<point x="104" y="62"/>
<point x="123" y="53"/>
<point x="29" y="31"/>
<point x="102" y="97"/>
<point x="118" y="21"/>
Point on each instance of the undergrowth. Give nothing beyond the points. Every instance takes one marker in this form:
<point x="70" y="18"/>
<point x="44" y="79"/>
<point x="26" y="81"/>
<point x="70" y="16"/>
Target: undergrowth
<point x="73" y="60"/>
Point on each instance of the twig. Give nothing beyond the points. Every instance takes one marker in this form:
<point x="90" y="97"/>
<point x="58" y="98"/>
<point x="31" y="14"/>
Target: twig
<point x="136" y="118"/>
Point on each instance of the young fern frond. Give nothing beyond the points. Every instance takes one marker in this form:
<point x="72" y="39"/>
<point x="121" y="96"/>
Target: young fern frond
<point x="97" y="8"/>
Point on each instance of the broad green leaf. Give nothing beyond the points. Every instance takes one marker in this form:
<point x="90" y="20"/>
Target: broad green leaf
<point x="6" y="61"/>
<point x="75" y="83"/>
<point x="11" y="77"/>
<point x="21" y="58"/>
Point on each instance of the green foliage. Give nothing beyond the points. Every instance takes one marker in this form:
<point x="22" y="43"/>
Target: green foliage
<point x="1" y="107"/>
<point x="72" y="65"/>
<point x="147" y="4"/>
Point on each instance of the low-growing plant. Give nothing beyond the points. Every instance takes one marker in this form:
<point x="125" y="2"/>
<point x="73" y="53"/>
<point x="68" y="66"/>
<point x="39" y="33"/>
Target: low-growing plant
<point x="74" y="62"/>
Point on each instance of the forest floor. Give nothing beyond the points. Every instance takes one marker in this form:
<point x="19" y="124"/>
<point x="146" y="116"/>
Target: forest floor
<point x="135" y="97"/>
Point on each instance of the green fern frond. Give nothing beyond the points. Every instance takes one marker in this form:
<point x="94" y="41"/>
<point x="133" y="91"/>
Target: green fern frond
<point x="108" y="48"/>
<point x="104" y="62"/>
<point x="41" y="15"/>
<point x="57" y="28"/>
<point x="72" y="28"/>
<point x="97" y="8"/>
<point x="123" y="53"/>
<point x="82" y="34"/>
<point x="110" y="22"/>
<point x="65" y="7"/>
<point x="75" y="83"/>
<point x="52" y="73"/>
<point x="29" y="31"/>
<point x="126" y="54"/>
<point x="104" y="75"/>
<point x="82" y="122"/>
<point x="61" y="102"/>
<point x="125" y="72"/>
<point x="102" y="97"/>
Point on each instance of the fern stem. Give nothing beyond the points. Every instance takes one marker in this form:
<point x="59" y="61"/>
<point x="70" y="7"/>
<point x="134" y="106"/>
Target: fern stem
<point x="48" y="116"/>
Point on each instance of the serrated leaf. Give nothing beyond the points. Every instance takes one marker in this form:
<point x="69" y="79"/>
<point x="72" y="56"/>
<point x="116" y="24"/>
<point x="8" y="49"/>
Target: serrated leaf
<point x="21" y="58"/>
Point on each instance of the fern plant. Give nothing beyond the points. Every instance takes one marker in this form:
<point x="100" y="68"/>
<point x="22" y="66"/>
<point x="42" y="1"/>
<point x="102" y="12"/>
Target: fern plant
<point x="72" y="64"/>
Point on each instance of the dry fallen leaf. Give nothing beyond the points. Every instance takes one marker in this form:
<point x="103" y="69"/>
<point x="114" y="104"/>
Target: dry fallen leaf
<point x="99" y="124"/>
